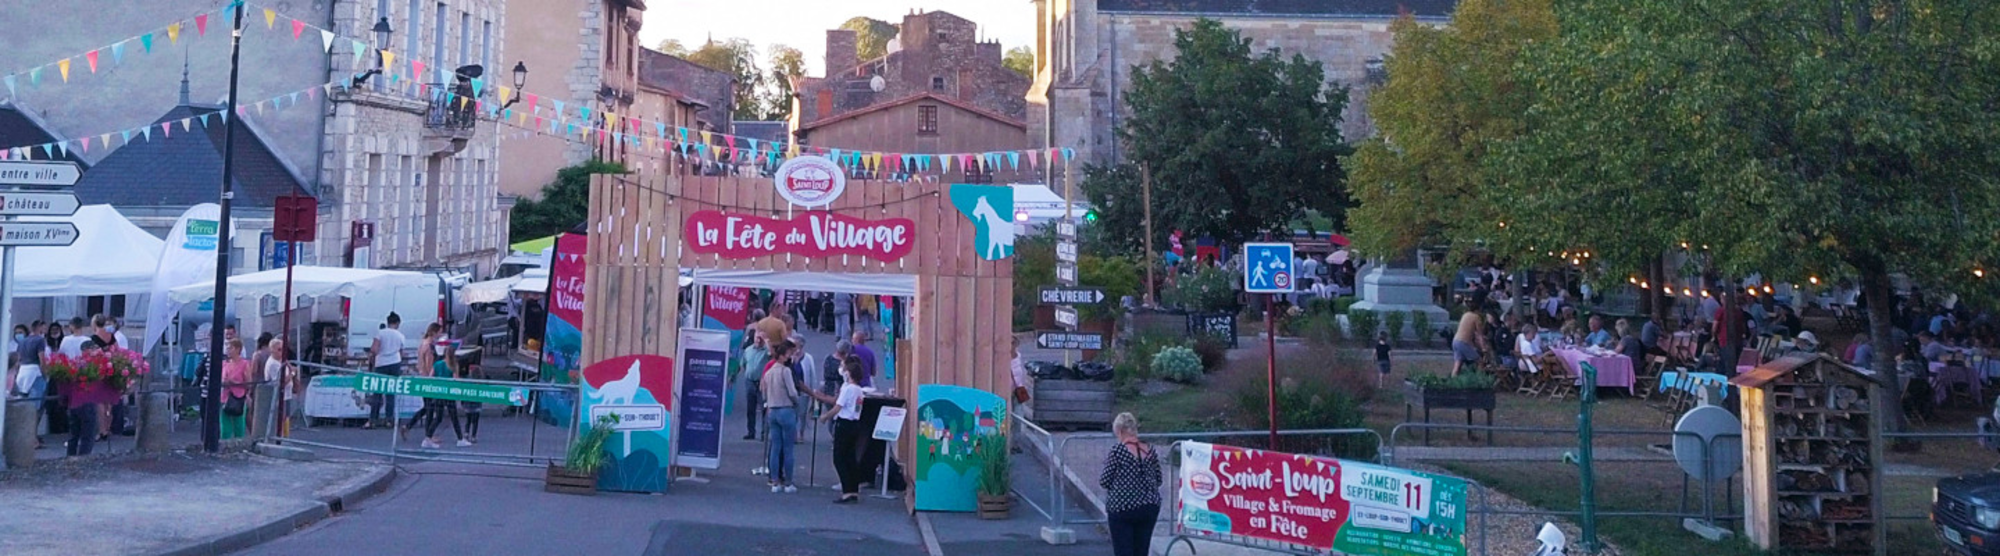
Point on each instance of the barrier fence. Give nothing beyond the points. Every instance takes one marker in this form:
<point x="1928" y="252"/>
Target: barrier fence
<point x="529" y="449"/>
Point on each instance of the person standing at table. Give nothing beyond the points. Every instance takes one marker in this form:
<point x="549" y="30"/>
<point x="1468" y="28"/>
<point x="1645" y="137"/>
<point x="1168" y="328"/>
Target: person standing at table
<point x="1131" y="480"/>
<point x="845" y="414"/>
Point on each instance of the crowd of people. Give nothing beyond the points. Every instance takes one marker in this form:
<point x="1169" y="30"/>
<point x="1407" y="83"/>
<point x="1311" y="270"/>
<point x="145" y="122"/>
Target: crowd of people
<point x="777" y="374"/>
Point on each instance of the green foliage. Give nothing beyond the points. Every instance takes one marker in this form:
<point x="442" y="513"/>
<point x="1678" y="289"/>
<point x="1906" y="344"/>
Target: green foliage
<point x="1034" y="267"/>
<point x="1421" y="322"/>
<point x="1470" y="380"/>
<point x="1304" y="404"/>
<point x="995" y="478"/>
<point x="1340" y="304"/>
<point x="1393" y="322"/>
<point x="1207" y="290"/>
<point x="587" y="453"/>
<point x="1117" y="276"/>
<point x="1317" y="328"/>
<point x="672" y="47"/>
<point x="1362" y="324"/>
<point x="565" y="203"/>
<point x="1021" y="59"/>
<point x="1213" y="349"/>
<point x="1238" y="143"/>
<point x="738" y="58"/>
<point x="1178" y="364"/>
<point x="874" y="36"/>
<point x="786" y="63"/>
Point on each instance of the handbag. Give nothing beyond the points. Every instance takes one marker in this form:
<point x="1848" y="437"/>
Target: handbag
<point x="1021" y="395"/>
<point x="233" y="407"/>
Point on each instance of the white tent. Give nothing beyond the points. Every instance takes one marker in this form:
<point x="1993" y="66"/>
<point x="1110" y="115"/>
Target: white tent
<point x="490" y="291"/>
<point x="111" y="256"/>
<point x="307" y="281"/>
<point x="1042" y="203"/>
<point x="535" y="280"/>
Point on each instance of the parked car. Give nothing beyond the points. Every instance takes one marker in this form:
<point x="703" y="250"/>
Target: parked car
<point x="1966" y="512"/>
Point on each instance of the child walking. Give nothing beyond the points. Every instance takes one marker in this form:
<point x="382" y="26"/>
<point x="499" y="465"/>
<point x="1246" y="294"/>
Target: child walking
<point x="1382" y="356"/>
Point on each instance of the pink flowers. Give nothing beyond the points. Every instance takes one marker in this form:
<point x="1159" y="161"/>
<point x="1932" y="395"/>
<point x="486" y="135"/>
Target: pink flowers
<point x="115" y="367"/>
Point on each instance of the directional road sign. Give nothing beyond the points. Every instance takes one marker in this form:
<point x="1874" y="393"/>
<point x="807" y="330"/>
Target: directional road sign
<point x="39" y="173"/>
<point x="1047" y="339"/>
<point x="37" y="234"/>
<point x="1267" y="268"/>
<point x="1066" y="229"/>
<point x="1066" y="273"/>
<point x="1066" y="316"/>
<point x="26" y="203"/>
<point x="1066" y="252"/>
<point x="1057" y="295"/>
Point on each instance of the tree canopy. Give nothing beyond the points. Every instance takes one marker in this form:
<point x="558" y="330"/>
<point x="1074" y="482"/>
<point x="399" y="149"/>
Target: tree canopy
<point x="564" y="203"/>
<point x="1021" y="59"/>
<point x="1238" y="142"/>
<point x="874" y="35"/>
<point x="737" y="57"/>
<point x="787" y="64"/>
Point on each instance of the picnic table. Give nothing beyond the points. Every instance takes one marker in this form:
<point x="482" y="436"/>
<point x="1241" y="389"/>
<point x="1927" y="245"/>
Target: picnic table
<point x="1945" y="375"/>
<point x="1613" y="370"/>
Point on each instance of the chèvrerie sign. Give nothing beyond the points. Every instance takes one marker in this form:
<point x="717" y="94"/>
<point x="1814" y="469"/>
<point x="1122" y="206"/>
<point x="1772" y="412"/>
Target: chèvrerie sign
<point x="440" y="389"/>
<point x="1323" y="503"/>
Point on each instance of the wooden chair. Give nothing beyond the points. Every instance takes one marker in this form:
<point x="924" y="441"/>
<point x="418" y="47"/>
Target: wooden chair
<point x="1531" y="382"/>
<point x="1649" y="377"/>
<point x="1560" y="383"/>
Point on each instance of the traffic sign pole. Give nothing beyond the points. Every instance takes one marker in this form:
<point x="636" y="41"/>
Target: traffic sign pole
<point x="1271" y="366"/>
<point x="20" y="173"/>
<point x="6" y="308"/>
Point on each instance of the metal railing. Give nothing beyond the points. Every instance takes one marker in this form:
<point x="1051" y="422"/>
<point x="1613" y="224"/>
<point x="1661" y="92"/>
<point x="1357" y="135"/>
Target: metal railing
<point x="394" y="451"/>
<point x="445" y="111"/>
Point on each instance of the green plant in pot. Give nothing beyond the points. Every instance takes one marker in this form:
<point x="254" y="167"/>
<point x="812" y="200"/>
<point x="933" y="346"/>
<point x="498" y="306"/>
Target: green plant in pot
<point x="994" y="481"/>
<point x="587" y="456"/>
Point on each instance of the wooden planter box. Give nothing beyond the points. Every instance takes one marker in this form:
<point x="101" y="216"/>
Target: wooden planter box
<point x="1073" y="404"/>
<point x="1481" y="399"/>
<point x="562" y="481"/>
<point x="995" y="507"/>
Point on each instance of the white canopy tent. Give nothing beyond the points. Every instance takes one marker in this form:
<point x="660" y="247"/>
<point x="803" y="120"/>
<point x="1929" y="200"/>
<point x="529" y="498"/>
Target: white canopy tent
<point x="307" y="281"/>
<point x="901" y="285"/>
<point x="535" y="280"/>
<point x="1042" y="203"/>
<point x="490" y="291"/>
<point x="111" y="256"/>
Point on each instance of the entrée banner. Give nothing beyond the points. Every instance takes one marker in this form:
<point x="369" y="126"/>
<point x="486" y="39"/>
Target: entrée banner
<point x="812" y="234"/>
<point x="1327" y="504"/>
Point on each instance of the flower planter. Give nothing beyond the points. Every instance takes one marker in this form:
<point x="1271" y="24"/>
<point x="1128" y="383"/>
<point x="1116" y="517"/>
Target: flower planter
<point x="1468" y="399"/>
<point x="995" y="507"/>
<point x="561" y="480"/>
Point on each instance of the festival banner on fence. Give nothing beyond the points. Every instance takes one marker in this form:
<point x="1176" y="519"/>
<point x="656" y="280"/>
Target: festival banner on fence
<point x="726" y="308"/>
<point x="704" y="385"/>
<point x="813" y="234"/>
<point x="639" y="390"/>
<point x="1321" y="503"/>
<point x="562" y="337"/>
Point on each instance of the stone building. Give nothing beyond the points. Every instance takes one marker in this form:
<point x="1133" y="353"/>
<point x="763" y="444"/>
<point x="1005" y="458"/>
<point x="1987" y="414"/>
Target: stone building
<point x="939" y="89"/>
<point x="583" y="53"/>
<point x="664" y="98"/>
<point x="714" y="90"/>
<point x="1086" y="50"/>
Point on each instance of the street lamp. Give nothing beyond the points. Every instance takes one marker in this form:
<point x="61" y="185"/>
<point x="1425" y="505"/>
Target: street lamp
<point x="382" y="31"/>
<point x="520" y="83"/>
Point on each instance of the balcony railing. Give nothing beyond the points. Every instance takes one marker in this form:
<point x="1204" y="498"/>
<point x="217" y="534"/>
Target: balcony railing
<point x="447" y="113"/>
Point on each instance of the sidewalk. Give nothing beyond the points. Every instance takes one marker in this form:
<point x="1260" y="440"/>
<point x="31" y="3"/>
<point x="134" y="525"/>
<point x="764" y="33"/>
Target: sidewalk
<point x="185" y="504"/>
<point x="964" y="534"/>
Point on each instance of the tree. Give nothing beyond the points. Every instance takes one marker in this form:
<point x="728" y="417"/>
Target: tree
<point x="787" y="64"/>
<point x="1450" y="95"/>
<point x="564" y="203"/>
<point x="1794" y="137"/>
<point x="672" y="47"/>
<point x="1021" y="59"/>
<point x="1239" y="143"/>
<point x="737" y="57"/>
<point x="873" y="35"/>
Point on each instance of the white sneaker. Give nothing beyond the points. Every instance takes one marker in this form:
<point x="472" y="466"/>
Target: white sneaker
<point x="463" y="443"/>
<point x="791" y="489"/>
<point x="428" y="443"/>
<point x="776" y="489"/>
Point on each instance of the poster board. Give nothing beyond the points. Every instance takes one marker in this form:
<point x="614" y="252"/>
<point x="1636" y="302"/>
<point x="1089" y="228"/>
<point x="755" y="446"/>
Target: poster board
<point x="640" y="386"/>
<point x="952" y="422"/>
<point x="704" y="386"/>
<point x="1320" y="503"/>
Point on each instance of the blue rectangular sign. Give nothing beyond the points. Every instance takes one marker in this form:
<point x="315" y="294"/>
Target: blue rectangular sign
<point x="1267" y="268"/>
<point x="704" y="386"/>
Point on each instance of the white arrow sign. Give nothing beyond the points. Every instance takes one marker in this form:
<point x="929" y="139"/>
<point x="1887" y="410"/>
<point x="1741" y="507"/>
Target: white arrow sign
<point x="25" y="203"/>
<point x="1066" y="317"/>
<point x="1066" y="229"/>
<point x="1066" y="273"/>
<point x="1066" y="252"/>
<point x="37" y="234"/>
<point x="26" y="172"/>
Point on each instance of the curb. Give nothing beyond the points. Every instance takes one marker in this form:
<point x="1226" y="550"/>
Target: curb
<point x="929" y="535"/>
<point x="323" y="506"/>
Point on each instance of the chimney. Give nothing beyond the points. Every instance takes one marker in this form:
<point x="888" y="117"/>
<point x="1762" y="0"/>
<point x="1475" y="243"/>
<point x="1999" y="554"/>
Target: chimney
<point x="841" y="51"/>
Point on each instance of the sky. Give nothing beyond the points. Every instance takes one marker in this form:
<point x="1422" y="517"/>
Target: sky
<point x="802" y="24"/>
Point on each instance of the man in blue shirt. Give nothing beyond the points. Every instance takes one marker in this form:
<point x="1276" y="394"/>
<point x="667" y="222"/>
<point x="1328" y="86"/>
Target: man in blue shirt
<point x="868" y="361"/>
<point x="1598" y="336"/>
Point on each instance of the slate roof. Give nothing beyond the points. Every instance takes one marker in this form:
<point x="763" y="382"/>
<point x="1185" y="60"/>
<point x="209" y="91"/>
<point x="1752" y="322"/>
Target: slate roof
<point x="1364" y="8"/>
<point x="184" y="169"/>
<point x="20" y="128"/>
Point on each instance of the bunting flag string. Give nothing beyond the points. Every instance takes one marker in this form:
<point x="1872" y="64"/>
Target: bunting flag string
<point x="104" y="141"/>
<point x="93" y="56"/>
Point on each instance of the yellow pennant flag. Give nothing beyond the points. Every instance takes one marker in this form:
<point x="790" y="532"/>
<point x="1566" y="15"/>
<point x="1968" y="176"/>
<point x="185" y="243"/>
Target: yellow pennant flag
<point x="610" y="120"/>
<point x="505" y="92"/>
<point x="64" y="66"/>
<point x="704" y="135"/>
<point x="388" y="58"/>
<point x="791" y="150"/>
<point x="174" y="33"/>
<point x="270" y="18"/>
<point x="461" y="103"/>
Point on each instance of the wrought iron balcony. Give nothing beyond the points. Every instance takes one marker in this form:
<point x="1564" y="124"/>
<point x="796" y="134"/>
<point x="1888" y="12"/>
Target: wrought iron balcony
<point x="451" y="111"/>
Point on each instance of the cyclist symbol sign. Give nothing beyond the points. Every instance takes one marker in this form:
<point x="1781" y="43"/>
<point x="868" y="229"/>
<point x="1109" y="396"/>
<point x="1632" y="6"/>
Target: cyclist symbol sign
<point x="1267" y="267"/>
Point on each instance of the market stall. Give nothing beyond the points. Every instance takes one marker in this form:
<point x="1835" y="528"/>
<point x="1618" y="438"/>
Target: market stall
<point x="122" y="258"/>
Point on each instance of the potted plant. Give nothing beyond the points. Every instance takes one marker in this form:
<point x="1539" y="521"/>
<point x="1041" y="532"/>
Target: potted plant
<point x="578" y="472"/>
<point x="994" y="480"/>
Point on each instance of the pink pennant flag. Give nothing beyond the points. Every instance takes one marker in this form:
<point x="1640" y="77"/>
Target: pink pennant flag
<point x="531" y="103"/>
<point x="86" y="144"/>
<point x="201" y="24"/>
<point x="417" y="69"/>
<point x="167" y="128"/>
<point x="298" y="28"/>
<point x="92" y="57"/>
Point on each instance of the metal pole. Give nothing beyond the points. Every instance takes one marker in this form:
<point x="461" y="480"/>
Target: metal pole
<point x="1069" y="213"/>
<point x="211" y="403"/>
<point x="284" y="427"/>
<point x="1588" y="476"/>
<point x="1146" y="200"/>
<point x="6" y="312"/>
<point x="1271" y="365"/>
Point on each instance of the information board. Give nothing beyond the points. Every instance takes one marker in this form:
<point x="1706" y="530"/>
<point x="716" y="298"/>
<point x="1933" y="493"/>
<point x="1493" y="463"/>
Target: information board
<point x="1322" y="503"/>
<point x="704" y="384"/>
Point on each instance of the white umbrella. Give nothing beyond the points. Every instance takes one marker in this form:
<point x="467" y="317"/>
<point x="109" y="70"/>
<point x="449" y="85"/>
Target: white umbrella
<point x="1338" y="257"/>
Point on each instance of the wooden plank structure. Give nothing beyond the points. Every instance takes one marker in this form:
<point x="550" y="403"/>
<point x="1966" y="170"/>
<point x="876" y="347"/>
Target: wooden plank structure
<point x="958" y="327"/>
<point x="1812" y="456"/>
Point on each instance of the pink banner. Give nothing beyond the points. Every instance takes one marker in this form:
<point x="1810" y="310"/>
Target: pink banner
<point x="811" y="234"/>
<point x="566" y="279"/>
<point x="729" y="306"/>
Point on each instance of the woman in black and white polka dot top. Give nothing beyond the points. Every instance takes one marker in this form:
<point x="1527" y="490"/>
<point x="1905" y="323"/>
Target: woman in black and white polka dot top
<point x="1131" y="479"/>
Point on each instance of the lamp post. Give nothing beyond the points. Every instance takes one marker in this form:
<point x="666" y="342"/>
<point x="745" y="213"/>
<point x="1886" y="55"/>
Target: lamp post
<point x="382" y="31"/>
<point x="211" y="402"/>
<point x="520" y="83"/>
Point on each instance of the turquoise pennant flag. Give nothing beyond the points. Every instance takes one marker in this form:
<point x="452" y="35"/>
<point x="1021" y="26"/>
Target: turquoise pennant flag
<point x="478" y="85"/>
<point x="35" y="76"/>
<point x="585" y="111"/>
<point x="146" y="41"/>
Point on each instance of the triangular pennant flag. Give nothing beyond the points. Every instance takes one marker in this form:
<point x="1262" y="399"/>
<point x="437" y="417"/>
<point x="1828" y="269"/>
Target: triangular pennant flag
<point x="201" y="24"/>
<point x="204" y="120"/>
<point x="298" y="28"/>
<point x="64" y="66"/>
<point x="944" y="164"/>
<point x="35" y="76"/>
<point x="86" y="144"/>
<point x="584" y="111"/>
<point x="167" y="128"/>
<point x="416" y="68"/>
<point x="48" y="150"/>
<point x="125" y="137"/>
<point x="662" y="128"/>
<point x="1032" y="156"/>
<point x="270" y="18"/>
<point x="260" y="108"/>
<point x="531" y="100"/>
<point x="188" y="122"/>
<point x="105" y="140"/>
<point x="326" y="40"/>
<point x="1015" y="159"/>
<point x="558" y="106"/>
<point x="1069" y="154"/>
<point x="118" y="52"/>
<point x="10" y="85"/>
<point x="225" y="114"/>
<point x="705" y="138"/>
<point x="146" y="41"/>
<point x="295" y="98"/>
<point x="478" y="86"/>
<point x="174" y="33"/>
<point x="359" y="50"/>
<point x="389" y="61"/>
<point x="147" y="132"/>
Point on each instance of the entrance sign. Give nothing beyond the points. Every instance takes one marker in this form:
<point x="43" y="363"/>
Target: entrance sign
<point x="1267" y="267"/>
<point x="37" y="234"/>
<point x="810" y="181"/>
<point x="813" y="234"/>
<point x="26" y="203"/>
<point x="1323" y="503"/>
<point x="44" y="174"/>
<point x="1069" y="340"/>
<point x="1071" y="295"/>
<point x="889" y="424"/>
<point x="440" y="389"/>
<point x="704" y="383"/>
<point x="641" y="387"/>
<point x="334" y="397"/>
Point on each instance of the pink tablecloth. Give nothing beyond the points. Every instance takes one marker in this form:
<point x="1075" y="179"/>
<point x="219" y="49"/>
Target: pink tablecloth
<point x="1944" y="376"/>
<point x="1612" y="370"/>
